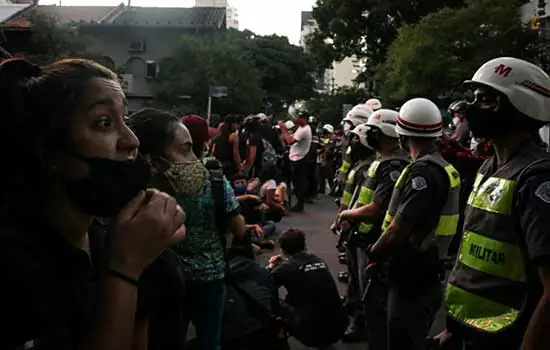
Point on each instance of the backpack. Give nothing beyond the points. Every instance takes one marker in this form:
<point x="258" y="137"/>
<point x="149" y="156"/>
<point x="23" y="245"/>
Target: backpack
<point x="269" y="156"/>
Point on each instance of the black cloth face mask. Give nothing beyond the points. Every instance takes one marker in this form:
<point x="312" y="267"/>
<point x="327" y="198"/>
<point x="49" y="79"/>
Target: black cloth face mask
<point x="109" y="185"/>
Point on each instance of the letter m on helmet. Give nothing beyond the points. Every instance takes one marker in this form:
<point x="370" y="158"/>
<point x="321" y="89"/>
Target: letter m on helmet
<point x="503" y="70"/>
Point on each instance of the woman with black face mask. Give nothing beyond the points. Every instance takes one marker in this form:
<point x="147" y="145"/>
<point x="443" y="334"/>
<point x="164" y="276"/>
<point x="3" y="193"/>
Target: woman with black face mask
<point x="73" y="159"/>
<point x="174" y="151"/>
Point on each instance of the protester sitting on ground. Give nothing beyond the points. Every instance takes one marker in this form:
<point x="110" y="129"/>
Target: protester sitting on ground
<point x="69" y="280"/>
<point x="268" y="188"/>
<point x="254" y="211"/>
<point x="249" y="320"/>
<point x="174" y="150"/>
<point x="312" y="311"/>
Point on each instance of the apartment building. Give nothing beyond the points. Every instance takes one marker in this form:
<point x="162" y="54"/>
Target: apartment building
<point x="343" y="73"/>
<point x="232" y="15"/>
<point x="132" y="40"/>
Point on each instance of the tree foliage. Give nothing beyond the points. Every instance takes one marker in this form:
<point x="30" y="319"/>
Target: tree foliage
<point x="364" y="28"/>
<point x="200" y="62"/>
<point x="328" y="108"/>
<point x="50" y="40"/>
<point x="432" y="58"/>
<point x="258" y="71"/>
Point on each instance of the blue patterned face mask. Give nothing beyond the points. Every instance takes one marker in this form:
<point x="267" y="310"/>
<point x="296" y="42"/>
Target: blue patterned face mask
<point x="240" y="189"/>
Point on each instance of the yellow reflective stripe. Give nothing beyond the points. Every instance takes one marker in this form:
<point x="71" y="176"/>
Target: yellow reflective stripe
<point x="454" y="177"/>
<point x="346" y="198"/>
<point x="401" y="179"/>
<point x="494" y="195"/>
<point x="365" y="228"/>
<point x="365" y="196"/>
<point x="387" y="221"/>
<point x="447" y="225"/>
<point x="345" y="167"/>
<point x="373" y="167"/>
<point x="492" y="257"/>
<point x="477" y="311"/>
<point x="351" y="177"/>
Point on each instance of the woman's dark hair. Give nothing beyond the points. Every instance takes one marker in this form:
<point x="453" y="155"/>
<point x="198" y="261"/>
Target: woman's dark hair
<point x="38" y="104"/>
<point x="155" y="130"/>
<point x="293" y="241"/>
<point x="228" y="123"/>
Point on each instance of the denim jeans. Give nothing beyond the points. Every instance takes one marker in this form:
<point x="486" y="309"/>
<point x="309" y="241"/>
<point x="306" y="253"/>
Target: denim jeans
<point x="205" y="301"/>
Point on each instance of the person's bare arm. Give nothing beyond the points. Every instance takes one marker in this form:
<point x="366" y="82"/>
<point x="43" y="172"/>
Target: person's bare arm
<point x="234" y="141"/>
<point x="251" y="158"/>
<point x="395" y="235"/>
<point x="237" y="226"/>
<point x="289" y="139"/>
<point x="270" y="201"/>
<point x="141" y="334"/>
<point x="536" y="336"/>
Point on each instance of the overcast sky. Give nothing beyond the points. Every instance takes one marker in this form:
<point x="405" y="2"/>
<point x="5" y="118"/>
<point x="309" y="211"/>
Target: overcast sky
<point x="264" y="17"/>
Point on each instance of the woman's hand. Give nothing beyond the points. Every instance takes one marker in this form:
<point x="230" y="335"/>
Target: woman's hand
<point x="143" y="230"/>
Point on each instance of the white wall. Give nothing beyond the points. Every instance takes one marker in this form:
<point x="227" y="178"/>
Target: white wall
<point x="531" y="9"/>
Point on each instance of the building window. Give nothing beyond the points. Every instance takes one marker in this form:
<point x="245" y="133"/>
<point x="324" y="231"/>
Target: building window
<point x="135" y="66"/>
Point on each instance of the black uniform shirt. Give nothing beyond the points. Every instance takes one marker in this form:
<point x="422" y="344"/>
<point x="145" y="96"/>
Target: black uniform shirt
<point x="388" y="172"/>
<point x="425" y="192"/>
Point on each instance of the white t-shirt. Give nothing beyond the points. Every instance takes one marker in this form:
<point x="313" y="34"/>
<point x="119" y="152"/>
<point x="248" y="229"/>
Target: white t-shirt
<point x="300" y="148"/>
<point x="266" y="186"/>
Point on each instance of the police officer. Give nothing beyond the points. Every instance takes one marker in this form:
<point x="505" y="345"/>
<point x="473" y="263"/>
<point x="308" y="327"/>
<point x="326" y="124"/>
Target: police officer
<point x="363" y="156"/>
<point x="461" y="129"/>
<point x="498" y="292"/>
<point x="422" y="217"/>
<point x="369" y="209"/>
<point x="357" y="115"/>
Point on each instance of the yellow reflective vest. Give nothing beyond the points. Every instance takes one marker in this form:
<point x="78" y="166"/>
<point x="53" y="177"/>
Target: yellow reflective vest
<point x="487" y="289"/>
<point x="368" y="187"/>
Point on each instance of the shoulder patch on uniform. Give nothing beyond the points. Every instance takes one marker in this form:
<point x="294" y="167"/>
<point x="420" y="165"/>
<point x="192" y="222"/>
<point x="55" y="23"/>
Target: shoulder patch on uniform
<point x="543" y="192"/>
<point x="394" y="175"/>
<point x="419" y="183"/>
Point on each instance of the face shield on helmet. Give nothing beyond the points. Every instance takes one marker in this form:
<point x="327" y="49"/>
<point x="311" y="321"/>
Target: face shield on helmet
<point x="358" y="115"/>
<point x="359" y="135"/>
<point x="381" y="122"/>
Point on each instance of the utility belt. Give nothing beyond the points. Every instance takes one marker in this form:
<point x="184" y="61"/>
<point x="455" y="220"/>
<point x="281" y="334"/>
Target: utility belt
<point x="360" y="240"/>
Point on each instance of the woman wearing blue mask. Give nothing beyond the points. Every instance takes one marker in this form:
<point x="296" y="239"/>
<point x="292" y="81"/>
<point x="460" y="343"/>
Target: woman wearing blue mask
<point x="174" y="151"/>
